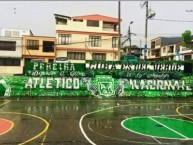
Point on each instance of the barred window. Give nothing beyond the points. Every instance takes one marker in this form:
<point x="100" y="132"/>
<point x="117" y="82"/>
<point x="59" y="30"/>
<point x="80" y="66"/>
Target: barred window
<point x="99" y="56"/>
<point x="10" y="62"/>
<point x="8" y="45"/>
<point x="76" y="55"/>
<point x="95" y="41"/>
<point x="115" y="42"/>
<point x="33" y="44"/>
<point x="64" y="39"/>
<point x="93" y="23"/>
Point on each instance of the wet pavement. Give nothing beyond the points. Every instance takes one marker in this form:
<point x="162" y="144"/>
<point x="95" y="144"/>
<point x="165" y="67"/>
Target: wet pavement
<point x="84" y="121"/>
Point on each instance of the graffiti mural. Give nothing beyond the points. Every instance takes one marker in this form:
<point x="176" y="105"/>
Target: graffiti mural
<point x="5" y="89"/>
<point x="101" y="79"/>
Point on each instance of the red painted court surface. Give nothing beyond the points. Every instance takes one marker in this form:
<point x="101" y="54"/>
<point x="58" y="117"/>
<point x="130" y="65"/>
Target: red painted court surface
<point x="83" y="121"/>
<point x="5" y="126"/>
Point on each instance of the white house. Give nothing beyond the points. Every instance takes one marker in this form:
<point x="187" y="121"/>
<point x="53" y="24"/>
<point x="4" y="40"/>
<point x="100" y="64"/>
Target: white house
<point x="11" y="51"/>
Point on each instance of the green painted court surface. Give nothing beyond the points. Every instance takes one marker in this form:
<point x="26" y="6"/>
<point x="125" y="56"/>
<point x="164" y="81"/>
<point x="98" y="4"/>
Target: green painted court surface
<point x="160" y="127"/>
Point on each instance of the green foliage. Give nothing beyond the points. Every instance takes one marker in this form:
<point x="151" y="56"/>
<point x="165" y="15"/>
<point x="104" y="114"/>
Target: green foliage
<point x="187" y="40"/>
<point x="187" y="36"/>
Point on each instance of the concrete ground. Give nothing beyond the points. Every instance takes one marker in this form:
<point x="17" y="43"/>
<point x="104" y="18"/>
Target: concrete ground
<point x="82" y="121"/>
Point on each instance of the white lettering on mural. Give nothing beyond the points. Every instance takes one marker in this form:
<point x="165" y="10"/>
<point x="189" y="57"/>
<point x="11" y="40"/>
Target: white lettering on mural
<point x="50" y="83"/>
<point x="54" y="66"/>
<point x="94" y="65"/>
<point x="158" y="85"/>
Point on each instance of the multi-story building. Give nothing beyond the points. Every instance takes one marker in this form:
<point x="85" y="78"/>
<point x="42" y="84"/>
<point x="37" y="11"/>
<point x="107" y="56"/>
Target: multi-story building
<point x="186" y="53"/>
<point x="90" y="37"/>
<point x="169" y="48"/>
<point x="163" y="48"/>
<point x="11" y="51"/>
<point x="38" y="47"/>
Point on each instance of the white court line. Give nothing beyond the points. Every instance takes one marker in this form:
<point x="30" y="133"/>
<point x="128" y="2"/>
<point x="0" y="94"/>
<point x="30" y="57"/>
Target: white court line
<point x="129" y="141"/>
<point x="46" y="131"/>
<point x="156" y="140"/>
<point x="82" y="117"/>
<point x="5" y="103"/>
<point x="168" y="127"/>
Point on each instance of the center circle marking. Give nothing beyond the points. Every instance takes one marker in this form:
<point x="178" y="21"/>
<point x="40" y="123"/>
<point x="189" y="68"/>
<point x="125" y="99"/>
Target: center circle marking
<point x="160" y="127"/>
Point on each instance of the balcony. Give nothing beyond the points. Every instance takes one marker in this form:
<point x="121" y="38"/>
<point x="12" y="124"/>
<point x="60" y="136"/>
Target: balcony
<point x="110" y="27"/>
<point x="110" y="30"/>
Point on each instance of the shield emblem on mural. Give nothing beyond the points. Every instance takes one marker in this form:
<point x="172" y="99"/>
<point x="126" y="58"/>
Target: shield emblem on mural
<point x="105" y="85"/>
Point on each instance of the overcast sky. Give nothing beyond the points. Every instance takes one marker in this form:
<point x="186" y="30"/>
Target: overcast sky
<point x="38" y="16"/>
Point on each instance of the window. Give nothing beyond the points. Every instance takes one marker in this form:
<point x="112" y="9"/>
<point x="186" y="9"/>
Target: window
<point x="64" y="39"/>
<point x="108" y="26"/>
<point x="8" y="33"/>
<point x="164" y="50"/>
<point x="77" y="20"/>
<point x="9" y="62"/>
<point x="48" y="46"/>
<point x="8" y="45"/>
<point x="171" y="49"/>
<point x="153" y="44"/>
<point x="178" y="47"/>
<point x="99" y="56"/>
<point x="187" y="57"/>
<point x="95" y="41"/>
<point x="33" y="44"/>
<point x="37" y="60"/>
<point x="15" y="33"/>
<point x="149" y="53"/>
<point x="50" y="60"/>
<point x="158" y="42"/>
<point x="115" y="42"/>
<point x="91" y="23"/>
<point x="76" y="55"/>
<point x="61" y="21"/>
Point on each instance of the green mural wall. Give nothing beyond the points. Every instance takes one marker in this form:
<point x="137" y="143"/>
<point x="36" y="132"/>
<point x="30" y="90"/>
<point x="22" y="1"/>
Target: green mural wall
<point x="101" y="79"/>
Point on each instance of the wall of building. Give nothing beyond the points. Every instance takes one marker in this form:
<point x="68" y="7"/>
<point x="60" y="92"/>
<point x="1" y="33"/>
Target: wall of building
<point x="29" y="53"/>
<point x="18" y="51"/>
<point x="82" y="26"/>
<point x="80" y="41"/>
<point x="14" y="32"/>
<point x="17" y="54"/>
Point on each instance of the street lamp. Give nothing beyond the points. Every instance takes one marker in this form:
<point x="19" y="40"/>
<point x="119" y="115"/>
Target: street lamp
<point x="129" y="37"/>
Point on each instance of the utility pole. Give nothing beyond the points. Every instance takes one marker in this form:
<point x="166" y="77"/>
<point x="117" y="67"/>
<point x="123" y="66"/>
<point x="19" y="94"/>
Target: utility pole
<point x="146" y="23"/>
<point x="148" y="15"/>
<point x="129" y="33"/>
<point x="119" y="27"/>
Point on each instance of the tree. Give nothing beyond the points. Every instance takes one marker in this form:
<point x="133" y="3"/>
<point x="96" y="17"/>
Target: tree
<point x="187" y="39"/>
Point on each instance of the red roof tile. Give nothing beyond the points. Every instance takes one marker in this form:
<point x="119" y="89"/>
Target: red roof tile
<point x="97" y="17"/>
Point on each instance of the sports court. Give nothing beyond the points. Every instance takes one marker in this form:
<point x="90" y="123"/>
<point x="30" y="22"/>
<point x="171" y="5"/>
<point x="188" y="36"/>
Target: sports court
<point x="82" y="121"/>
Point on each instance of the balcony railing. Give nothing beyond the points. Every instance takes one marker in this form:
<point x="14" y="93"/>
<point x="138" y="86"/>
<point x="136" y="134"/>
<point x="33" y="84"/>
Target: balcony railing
<point x="110" y="30"/>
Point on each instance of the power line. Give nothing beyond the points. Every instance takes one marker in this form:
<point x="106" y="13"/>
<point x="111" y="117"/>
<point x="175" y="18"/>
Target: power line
<point x="172" y="20"/>
<point x="56" y="44"/>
